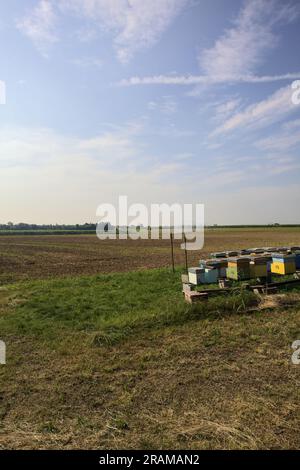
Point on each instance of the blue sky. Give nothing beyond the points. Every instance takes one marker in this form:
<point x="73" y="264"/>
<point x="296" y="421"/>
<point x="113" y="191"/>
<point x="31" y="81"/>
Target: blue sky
<point x="161" y="100"/>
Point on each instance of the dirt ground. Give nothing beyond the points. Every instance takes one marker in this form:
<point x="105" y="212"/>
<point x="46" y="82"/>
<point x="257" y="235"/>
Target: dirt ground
<point x="32" y="257"/>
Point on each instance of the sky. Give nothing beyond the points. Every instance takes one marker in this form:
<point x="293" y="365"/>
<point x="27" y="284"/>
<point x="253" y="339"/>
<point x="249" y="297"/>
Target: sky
<point x="165" y="101"/>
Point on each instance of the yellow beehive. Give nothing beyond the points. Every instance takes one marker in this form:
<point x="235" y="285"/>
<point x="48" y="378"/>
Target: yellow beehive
<point x="283" y="268"/>
<point x="258" y="270"/>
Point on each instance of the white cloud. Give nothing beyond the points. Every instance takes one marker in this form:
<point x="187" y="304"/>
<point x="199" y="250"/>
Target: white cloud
<point x="135" y="24"/>
<point x="225" y="108"/>
<point x="86" y="62"/>
<point x="228" y="106"/>
<point x="242" y="48"/>
<point x="261" y="114"/>
<point x="222" y="179"/>
<point x="39" y="25"/>
<point x="239" y="51"/>
<point x="167" y="105"/>
<point x="291" y="125"/>
<point x="188" y="80"/>
<point x="287" y="168"/>
<point x="285" y="139"/>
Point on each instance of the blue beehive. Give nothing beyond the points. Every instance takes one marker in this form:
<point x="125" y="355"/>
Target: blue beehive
<point x="219" y="265"/>
<point x="211" y="275"/>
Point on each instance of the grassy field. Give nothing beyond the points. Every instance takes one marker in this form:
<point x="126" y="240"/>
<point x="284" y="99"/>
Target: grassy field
<point x="119" y="360"/>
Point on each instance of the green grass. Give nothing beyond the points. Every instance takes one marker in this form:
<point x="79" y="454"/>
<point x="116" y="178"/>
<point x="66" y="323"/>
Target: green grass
<point x="121" y="361"/>
<point x="109" y="306"/>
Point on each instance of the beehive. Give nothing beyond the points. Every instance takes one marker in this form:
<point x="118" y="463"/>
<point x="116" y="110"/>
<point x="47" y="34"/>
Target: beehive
<point x="196" y="276"/>
<point x="283" y="268"/>
<point x="220" y="264"/>
<point x="258" y="269"/>
<point x="283" y="263"/>
<point x="297" y="254"/>
<point x="267" y="261"/>
<point x="238" y="269"/>
<point x="211" y="275"/>
<point x="237" y="274"/>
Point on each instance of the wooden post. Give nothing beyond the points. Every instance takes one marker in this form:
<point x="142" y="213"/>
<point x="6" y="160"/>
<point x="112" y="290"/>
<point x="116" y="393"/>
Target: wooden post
<point x="172" y="252"/>
<point x="185" y="254"/>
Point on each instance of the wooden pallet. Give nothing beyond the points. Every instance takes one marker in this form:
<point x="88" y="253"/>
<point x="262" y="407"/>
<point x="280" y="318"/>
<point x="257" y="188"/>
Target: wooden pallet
<point x="265" y="290"/>
<point x="193" y="296"/>
<point x="279" y="284"/>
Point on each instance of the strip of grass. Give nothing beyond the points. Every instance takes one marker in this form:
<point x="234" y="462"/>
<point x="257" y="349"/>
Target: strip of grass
<point x="110" y="306"/>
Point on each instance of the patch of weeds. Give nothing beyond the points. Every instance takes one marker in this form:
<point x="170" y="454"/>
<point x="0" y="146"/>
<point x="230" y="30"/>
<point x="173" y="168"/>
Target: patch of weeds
<point x="49" y="428"/>
<point x="121" y="424"/>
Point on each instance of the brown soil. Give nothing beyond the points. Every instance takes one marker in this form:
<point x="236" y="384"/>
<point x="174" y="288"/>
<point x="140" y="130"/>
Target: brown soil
<point x="31" y="257"/>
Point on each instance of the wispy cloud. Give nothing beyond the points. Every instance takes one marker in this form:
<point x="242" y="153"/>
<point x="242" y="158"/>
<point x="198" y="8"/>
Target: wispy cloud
<point x="260" y="114"/>
<point x="188" y="80"/>
<point x="135" y="25"/>
<point x="288" y="168"/>
<point x="167" y="105"/>
<point x="86" y="62"/>
<point x="39" y="25"/>
<point x="285" y="139"/>
<point x="242" y="48"/>
<point x="225" y="108"/>
<point x="238" y="52"/>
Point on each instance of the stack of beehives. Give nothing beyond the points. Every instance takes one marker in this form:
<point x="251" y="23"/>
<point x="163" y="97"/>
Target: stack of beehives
<point x="284" y="260"/>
